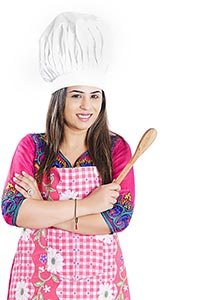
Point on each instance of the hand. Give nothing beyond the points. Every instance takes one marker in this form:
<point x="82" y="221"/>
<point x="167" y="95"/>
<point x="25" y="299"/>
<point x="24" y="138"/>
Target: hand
<point x="27" y="186"/>
<point x="102" y="198"/>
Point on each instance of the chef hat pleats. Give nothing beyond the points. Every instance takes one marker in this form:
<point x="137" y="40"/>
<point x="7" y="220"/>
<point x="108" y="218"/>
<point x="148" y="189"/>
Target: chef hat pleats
<point x="74" y="50"/>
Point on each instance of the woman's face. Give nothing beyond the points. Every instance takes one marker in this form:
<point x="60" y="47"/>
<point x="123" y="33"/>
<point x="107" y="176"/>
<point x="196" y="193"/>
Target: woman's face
<point x="82" y="107"/>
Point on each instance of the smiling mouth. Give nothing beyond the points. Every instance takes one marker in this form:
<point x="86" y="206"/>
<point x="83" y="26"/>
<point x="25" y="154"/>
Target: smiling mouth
<point x="84" y="117"/>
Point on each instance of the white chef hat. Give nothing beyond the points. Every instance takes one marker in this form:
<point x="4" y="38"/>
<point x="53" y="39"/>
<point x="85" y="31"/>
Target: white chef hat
<point x="74" y="50"/>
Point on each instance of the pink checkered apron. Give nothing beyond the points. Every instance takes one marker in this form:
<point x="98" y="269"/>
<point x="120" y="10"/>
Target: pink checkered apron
<point x="53" y="264"/>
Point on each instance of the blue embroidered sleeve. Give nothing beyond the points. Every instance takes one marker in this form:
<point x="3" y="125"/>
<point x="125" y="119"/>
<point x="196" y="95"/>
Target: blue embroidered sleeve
<point x="22" y="161"/>
<point x="118" y="218"/>
<point x="11" y="202"/>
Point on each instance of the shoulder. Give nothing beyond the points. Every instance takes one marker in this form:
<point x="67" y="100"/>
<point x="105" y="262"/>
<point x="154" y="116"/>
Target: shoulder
<point x="32" y="140"/>
<point x="38" y="139"/>
<point x="118" y="143"/>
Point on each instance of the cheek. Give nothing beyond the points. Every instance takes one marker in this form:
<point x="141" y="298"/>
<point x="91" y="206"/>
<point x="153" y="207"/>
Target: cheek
<point x="69" y="109"/>
<point x="98" y="107"/>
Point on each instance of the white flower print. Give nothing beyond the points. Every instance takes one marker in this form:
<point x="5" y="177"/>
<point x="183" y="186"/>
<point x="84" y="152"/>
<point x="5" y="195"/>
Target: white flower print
<point x="125" y="288"/>
<point x="105" y="292"/>
<point x="106" y="238"/>
<point x="68" y="195"/>
<point x="22" y="291"/>
<point x="47" y="288"/>
<point x="54" y="261"/>
<point x="25" y="235"/>
<point x="41" y="269"/>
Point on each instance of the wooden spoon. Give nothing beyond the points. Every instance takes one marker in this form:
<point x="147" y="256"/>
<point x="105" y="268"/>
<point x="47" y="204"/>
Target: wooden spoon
<point x="144" y="143"/>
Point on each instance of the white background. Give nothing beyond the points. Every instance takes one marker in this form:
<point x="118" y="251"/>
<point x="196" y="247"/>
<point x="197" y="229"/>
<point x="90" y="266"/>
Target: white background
<point x="154" y="82"/>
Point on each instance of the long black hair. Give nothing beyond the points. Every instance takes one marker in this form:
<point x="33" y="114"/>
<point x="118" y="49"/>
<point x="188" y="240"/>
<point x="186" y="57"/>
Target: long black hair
<point x="98" y="139"/>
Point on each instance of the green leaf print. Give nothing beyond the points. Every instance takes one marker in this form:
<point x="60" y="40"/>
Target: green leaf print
<point x="41" y="296"/>
<point x="39" y="283"/>
<point x="55" y="279"/>
<point x="121" y="284"/>
<point x="43" y="232"/>
<point x="36" y="237"/>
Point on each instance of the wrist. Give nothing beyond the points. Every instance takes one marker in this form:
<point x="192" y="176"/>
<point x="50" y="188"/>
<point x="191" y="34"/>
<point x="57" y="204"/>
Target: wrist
<point x="75" y="215"/>
<point x="83" y="207"/>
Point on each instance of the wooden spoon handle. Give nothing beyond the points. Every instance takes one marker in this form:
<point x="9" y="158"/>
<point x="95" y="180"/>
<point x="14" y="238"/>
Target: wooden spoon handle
<point x="144" y="143"/>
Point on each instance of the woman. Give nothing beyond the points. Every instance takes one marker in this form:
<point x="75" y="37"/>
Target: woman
<point x="69" y="248"/>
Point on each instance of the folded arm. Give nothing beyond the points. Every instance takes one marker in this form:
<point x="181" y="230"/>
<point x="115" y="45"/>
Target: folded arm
<point x="103" y="211"/>
<point x="37" y="213"/>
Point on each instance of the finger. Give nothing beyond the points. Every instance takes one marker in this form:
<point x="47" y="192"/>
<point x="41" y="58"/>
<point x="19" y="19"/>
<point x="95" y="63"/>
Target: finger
<point x="115" y="194"/>
<point x="21" y="183"/>
<point x="114" y="201"/>
<point x="28" y="177"/>
<point x="110" y="205"/>
<point x="25" y="178"/>
<point x="30" y="181"/>
<point x="22" y="191"/>
<point x="21" y="178"/>
<point x="115" y="186"/>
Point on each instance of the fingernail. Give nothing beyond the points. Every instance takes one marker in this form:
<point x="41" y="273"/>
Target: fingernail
<point x="23" y="172"/>
<point x="17" y="175"/>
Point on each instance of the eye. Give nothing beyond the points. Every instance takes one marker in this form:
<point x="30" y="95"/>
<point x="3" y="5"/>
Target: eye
<point x="76" y="96"/>
<point x="95" y="96"/>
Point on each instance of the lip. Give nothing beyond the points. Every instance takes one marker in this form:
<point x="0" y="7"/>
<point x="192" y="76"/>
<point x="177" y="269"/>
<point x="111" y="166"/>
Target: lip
<point x="84" y="117"/>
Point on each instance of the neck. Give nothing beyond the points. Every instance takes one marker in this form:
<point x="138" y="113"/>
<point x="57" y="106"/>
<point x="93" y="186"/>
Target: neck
<point x="73" y="145"/>
<point x="73" y="139"/>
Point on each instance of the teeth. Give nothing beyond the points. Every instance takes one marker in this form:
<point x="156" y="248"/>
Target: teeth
<point x="84" y="116"/>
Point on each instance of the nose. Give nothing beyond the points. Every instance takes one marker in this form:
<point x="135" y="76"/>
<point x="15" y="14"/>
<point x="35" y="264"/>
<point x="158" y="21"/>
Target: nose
<point x="85" y="103"/>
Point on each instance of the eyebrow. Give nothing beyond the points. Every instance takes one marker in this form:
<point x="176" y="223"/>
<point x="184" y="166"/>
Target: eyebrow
<point x="81" y="92"/>
<point x="95" y="92"/>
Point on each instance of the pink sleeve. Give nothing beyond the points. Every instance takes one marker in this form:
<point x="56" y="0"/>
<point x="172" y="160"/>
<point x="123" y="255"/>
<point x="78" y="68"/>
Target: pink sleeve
<point x="118" y="218"/>
<point x="23" y="160"/>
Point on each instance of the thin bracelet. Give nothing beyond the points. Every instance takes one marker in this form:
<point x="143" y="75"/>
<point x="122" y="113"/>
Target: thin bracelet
<point x="75" y="217"/>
